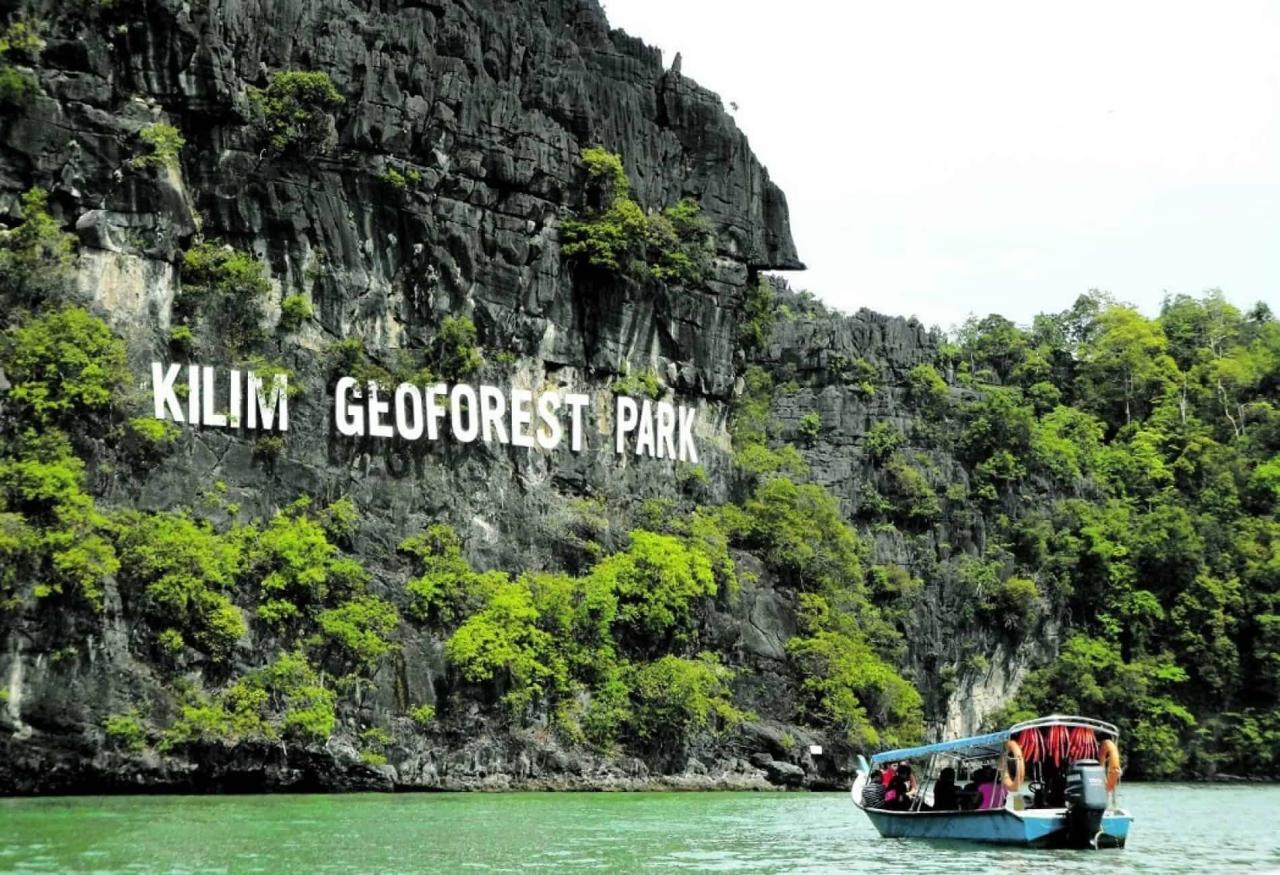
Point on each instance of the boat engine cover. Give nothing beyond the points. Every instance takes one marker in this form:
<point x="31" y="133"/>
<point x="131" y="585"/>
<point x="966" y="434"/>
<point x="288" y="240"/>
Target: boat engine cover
<point x="1087" y="786"/>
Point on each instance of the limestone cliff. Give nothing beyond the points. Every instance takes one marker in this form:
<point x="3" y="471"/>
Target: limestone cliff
<point x="487" y="107"/>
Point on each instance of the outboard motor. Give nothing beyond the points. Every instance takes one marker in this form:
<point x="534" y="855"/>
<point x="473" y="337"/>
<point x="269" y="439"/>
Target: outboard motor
<point x="1086" y="803"/>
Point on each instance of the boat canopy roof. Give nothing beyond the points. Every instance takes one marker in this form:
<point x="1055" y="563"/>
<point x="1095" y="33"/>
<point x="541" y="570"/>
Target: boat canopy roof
<point x="990" y="745"/>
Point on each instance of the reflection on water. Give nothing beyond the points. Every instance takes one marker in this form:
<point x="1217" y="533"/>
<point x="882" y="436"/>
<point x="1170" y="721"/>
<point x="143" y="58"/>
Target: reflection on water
<point x="1179" y="828"/>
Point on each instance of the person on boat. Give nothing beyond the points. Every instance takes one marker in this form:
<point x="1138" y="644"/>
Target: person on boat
<point x="873" y="791"/>
<point x="946" y="796"/>
<point x="901" y="789"/>
<point x="990" y="791"/>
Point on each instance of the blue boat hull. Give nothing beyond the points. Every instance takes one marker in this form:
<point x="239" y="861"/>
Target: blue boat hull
<point x="1033" y="829"/>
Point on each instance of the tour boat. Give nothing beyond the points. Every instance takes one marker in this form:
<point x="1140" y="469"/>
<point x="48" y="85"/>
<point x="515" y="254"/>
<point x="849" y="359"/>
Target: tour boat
<point x="1049" y="782"/>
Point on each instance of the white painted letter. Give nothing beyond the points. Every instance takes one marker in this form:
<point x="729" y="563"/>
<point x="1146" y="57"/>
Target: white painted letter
<point x="688" y="452"/>
<point x="462" y="392"/>
<point x="625" y="421"/>
<point x="549" y="434"/>
<point x="349" y="419"/>
<point x="435" y="412"/>
<point x="407" y="392"/>
<point x="644" y="437"/>
<point x="378" y="409"/>
<point x="666" y="431"/>
<point x="521" y="417"/>
<point x="575" y="402"/>
<point x="278" y="402"/>
<point x="211" y="416"/>
<point x="162" y="390"/>
<point x="492" y="408"/>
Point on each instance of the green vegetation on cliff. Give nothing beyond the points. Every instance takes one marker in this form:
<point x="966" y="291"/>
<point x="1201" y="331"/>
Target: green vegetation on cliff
<point x="615" y="235"/>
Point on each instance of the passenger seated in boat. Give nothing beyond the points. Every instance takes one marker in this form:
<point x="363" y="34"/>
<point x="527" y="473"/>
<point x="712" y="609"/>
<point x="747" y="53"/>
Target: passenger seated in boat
<point x="946" y="796"/>
<point x="873" y="792"/>
<point x="901" y="789"/>
<point x="969" y="796"/>
<point x="990" y="792"/>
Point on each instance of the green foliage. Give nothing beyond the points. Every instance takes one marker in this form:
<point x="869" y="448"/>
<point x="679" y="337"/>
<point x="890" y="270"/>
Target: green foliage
<point x="638" y="384"/>
<point x="454" y="353"/>
<point x="674" y="697"/>
<point x="36" y="256"/>
<point x="226" y="288"/>
<point x="155" y="434"/>
<point x="294" y="310"/>
<point x="759" y="315"/>
<point x="184" y="571"/>
<point x="881" y="440"/>
<point x="297" y="567"/>
<point x="65" y="366"/>
<point x="502" y="639"/>
<point x="360" y="627"/>
<point x="446" y="587"/>
<point x="616" y="236"/>
<point x="852" y="687"/>
<point x="294" y="113"/>
<point x="55" y="538"/>
<point x="809" y="427"/>
<point x="17" y="87"/>
<point x="20" y="42"/>
<point x="423" y="715"/>
<point x="656" y="582"/>
<point x="126" y="732"/>
<point x="284" y="700"/>
<point x="163" y="144"/>
<point x="400" y="182"/>
<point x="927" y="389"/>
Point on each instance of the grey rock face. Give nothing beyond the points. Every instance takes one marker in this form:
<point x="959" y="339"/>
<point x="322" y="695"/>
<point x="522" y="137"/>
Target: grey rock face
<point x="490" y="104"/>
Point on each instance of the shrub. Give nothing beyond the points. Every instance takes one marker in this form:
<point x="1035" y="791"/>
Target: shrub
<point x="294" y="310"/>
<point x="284" y="699"/>
<point x="423" y="715"/>
<point x="1015" y="602"/>
<point x="59" y="536"/>
<point x="810" y="426"/>
<point x="447" y="587"/>
<point x="17" y="87"/>
<point x="881" y="440"/>
<point x="20" y="41"/>
<point x="616" y="236"/>
<point x="656" y="582"/>
<point x="126" y="731"/>
<point x="153" y="433"/>
<point x="674" y="696"/>
<point x="759" y="315"/>
<point x="639" y="383"/>
<point x="851" y="687"/>
<point x="182" y="340"/>
<point x="36" y="255"/>
<point x="400" y="182"/>
<point x="293" y="114"/>
<point x="454" y="353"/>
<point x="926" y="388"/>
<point x="360" y="628"/>
<point x="502" y="640"/>
<point x="64" y="366"/>
<point x="297" y="566"/>
<point x="227" y="287"/>
<point x="163" y="143"/>
<point x="184" y="569"/>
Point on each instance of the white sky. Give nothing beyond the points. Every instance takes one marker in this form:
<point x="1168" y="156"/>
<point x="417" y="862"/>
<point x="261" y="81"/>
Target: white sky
<point x="942" y="158"/>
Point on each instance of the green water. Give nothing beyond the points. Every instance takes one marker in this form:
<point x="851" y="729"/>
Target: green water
<point x="1179" y="828"/>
